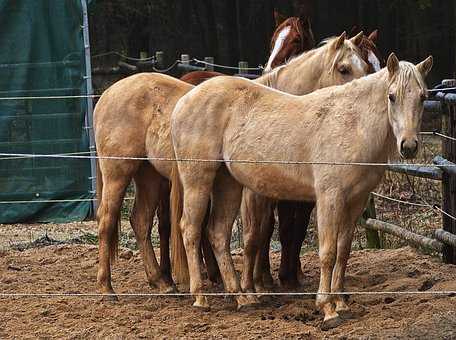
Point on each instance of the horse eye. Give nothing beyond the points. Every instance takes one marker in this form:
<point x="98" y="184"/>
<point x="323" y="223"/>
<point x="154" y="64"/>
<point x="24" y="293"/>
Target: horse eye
<point x="392" y="97"/>
<point x="344" y="70"/>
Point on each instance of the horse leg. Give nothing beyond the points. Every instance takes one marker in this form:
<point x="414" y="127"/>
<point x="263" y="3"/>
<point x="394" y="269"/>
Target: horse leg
<point x="196" y="194"/>
<point x="268" y="226"/>
<point x="226" y="200"/>
<point x="264" y="211"/>
<point x="213" y="271"/>
<point x="111" y="198"/>
<point x="330" y="216"/>
<point x="344" y="241"/>
<point x="300" y="225"/>
<point x="147" y="185"/>
<point x="286" y="214"/>
<point x="251" y="223"/>
<point x="164" y="231"/>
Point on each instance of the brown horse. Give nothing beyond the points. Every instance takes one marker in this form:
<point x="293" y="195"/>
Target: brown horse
<point x="132" y="119"/>
<point x="197" y="77"/>
<point x="291" y="38"/>
<point x="294" y="217"/>
<point x="235" y="123"/>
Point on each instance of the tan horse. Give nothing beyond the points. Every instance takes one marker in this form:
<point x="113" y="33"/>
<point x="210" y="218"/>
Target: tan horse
<point x="293" y="217"/>
<point x="234" y="119"/>
<point x="132" y="119"/>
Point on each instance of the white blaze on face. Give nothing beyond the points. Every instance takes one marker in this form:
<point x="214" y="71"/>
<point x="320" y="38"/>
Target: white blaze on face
<point x="373" y="60"/>
<point x="277" y="46"/>
<point x="357" y="61"/>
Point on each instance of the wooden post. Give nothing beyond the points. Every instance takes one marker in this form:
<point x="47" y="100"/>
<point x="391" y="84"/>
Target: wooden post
<point x="143" y="55"/>
<point x="243" y="67"/>
<point x="160" y="59"/>
<point x="209" y="60"/>
<point x="449" y="180"/>
<point x="373" y="238"/>
<point x="185" y="59"/>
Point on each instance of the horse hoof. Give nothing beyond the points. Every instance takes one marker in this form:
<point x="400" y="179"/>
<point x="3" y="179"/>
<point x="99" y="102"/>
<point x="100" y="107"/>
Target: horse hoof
<point x="169" y="290"/>
<point x="289" y="284"/>
<point x="260" y="289"/>
<point x="247" y="302"/>
<point x="331" y="323"/>
<point x="268" y="281"/>
<point x="201" y="303"/>
<point x="110" y="297"/>
<point x="345" y="314"/>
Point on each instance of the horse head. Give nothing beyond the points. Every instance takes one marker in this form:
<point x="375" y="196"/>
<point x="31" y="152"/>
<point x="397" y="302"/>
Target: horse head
<point x="371" y="53"/>
<point x="292" y="37"/>
<point x="406" y="94"/>
<point x="344" y="58"/>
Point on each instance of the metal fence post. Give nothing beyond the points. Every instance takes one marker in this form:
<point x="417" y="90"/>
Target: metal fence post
<point x="89" y="90"/>
<point x="449" y="180"/>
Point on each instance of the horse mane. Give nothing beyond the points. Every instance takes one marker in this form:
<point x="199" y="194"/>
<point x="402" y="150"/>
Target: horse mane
<point x="407" y="71"/>
<point x="269" y="78"/>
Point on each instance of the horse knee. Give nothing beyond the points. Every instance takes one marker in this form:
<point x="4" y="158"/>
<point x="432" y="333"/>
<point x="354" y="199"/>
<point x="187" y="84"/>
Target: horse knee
<point x="190" y="235"/>
<point x="327" y="259"/>
<point x="218" y="241"/>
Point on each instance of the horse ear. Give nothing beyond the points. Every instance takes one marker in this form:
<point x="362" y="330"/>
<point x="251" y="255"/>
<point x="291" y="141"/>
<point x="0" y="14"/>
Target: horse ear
<point x="373" y="36"/>
<point x="392" y="64"/>
<point x="305" y="22"/>
<point x="358" y="39"/>
<point x="279" y="18"/>
<point x="354" y="29"/>
<point x="340" y="41"/>
<point x="425" y="66"/>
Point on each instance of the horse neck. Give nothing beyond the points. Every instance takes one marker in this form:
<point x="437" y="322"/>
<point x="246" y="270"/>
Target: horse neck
<point x="299" y="77"/>
<point x="377" y="133"/>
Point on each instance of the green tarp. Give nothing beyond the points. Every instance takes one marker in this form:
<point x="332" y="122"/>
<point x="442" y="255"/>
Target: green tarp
<point x="42" y="54"/>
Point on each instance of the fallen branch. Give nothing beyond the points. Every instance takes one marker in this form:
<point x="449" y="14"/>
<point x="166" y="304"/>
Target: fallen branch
<point x="445" y="237"/>
<point x="408" y="236"/>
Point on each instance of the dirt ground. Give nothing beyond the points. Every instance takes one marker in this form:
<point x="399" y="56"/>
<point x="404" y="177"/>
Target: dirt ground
<point x="72" y="269"/>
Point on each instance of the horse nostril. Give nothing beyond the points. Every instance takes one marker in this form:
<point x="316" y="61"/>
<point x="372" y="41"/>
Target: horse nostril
<point x="402" y="146"/>
<point x="409" y="148"/>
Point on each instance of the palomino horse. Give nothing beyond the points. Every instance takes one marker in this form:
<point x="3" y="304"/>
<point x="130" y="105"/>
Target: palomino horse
<point x="132" y="119"/>
<point x="306" y="148"/>
<point x="337" y="62"/>
<point x="292" y="37"/>
<point x="293" y="217"/>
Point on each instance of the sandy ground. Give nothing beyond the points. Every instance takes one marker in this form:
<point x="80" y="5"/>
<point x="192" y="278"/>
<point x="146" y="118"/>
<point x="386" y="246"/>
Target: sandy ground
<point x="72" y="269"/>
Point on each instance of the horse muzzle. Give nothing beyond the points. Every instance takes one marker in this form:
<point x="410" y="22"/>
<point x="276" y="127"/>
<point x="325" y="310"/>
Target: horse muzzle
<point x="409" y="147"/>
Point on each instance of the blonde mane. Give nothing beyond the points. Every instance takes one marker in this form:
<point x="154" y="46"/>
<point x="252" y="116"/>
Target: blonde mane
<point x="270" y="78"/>
<point x="407" y="71"/>
<point x="343" y="52"/>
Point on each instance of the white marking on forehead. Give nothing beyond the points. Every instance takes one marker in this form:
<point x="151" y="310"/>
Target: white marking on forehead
<point x="357" y="61"/>
<point x="277" y="46"/>
<point x="373" y="60"/>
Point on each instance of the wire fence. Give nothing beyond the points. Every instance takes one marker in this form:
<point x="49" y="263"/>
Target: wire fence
<point x="449" y="293"/>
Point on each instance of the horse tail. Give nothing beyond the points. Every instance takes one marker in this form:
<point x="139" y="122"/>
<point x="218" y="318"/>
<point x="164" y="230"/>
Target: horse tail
<point x="178" y="255"/>
<point x="114" y="244"/>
